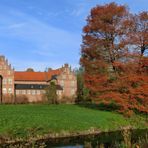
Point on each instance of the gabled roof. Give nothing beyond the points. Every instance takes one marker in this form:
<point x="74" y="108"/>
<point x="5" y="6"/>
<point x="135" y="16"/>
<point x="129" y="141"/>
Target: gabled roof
<point x="35" y="76"/>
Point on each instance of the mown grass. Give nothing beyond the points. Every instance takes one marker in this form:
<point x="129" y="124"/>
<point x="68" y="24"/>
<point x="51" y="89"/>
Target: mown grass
<point x="31" y="120"/>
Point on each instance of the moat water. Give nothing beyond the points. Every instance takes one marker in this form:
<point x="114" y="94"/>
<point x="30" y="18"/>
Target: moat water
<point x="118" y="139"/>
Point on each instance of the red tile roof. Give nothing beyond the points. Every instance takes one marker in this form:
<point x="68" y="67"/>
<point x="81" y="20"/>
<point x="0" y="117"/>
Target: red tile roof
<point x="35" y="76"/>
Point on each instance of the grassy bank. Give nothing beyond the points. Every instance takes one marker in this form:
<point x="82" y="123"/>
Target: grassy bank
<point x="26" y="121"/>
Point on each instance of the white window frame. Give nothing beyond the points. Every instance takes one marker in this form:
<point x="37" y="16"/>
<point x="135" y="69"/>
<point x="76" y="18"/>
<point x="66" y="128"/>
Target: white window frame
<point x="72" y="91"/>
<point x="23" y="92"/>
<point x="29" y="92"/>
<point x="10" y="90"/>
<point x="33" y="92"/>
<point x="17" y="92"/>
<point x="9" y="81"/>
<point x="62" y="83"/>
<point x="4" y="90"/>
<point x="38" y="92"/>
<point x="4" y="81"/>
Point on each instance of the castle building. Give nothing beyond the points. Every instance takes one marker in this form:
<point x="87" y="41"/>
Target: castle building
<point x="29" y="86"/>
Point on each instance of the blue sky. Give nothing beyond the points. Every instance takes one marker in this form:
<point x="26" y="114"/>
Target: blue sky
<point x="47" y="33"/>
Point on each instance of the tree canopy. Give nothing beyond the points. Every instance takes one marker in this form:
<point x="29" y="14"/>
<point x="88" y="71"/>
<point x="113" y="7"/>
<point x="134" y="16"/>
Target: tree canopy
<point x="30" y="70"/>
<point x="114" y="57"/>
<point x="51" y="93"/>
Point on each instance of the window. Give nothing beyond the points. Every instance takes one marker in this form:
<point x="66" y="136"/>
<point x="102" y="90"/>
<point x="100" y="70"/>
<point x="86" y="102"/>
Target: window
<point x="64" y="77"/>
<point x="68" y="71"/>
<point x="20" y="91"/>
<point x="9" y="81"/>
<point x="38" y="92"/>
<point x="28" y="92"/>
<point x="72" y="91"/>
<point x="59" y="92"/>
<point x="23" y="92"/>
<point x="62" y="83"/>
<point x="33" y="92"/>
<point x="72" y="83"/>
<point x="4" y="81"/>
<point x="10" y="90"/>
<point x="17" y="92"/>
<point x="5" y="90"/>
<point x="9" y="72"/>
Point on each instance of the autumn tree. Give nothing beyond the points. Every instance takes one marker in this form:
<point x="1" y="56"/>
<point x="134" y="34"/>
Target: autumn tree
<point x="136" y="69"/>
<point x="114" y="71"/>
<point x="102" y="43"/>
<point x="138" y="32"/>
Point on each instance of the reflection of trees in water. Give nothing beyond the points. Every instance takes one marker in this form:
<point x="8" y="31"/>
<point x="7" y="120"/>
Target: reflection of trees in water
<point x="135" y="138"/>
<point x="104" y="140"/>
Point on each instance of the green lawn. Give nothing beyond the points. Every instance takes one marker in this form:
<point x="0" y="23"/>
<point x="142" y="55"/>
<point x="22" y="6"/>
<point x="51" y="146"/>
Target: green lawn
<point x="31" y="120"/>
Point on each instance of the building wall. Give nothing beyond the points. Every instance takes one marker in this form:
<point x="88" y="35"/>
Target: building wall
<point x="7" y="74"/>
<point x="30" y="95"/>
<point x="66" y="79"/>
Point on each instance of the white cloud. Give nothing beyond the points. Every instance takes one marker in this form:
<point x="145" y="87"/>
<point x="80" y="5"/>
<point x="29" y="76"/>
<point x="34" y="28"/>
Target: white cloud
<point x="46" y="41"/>
<point x="16" y="25"/>
<point x="79" y="10"/>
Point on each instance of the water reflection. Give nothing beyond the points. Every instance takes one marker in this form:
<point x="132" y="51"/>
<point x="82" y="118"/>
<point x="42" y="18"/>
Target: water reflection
<point x="118" y="139"/>
<point x="135" y="138"/>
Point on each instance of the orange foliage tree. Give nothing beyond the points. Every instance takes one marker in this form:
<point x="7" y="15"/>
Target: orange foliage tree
<point x="115" y="71"/>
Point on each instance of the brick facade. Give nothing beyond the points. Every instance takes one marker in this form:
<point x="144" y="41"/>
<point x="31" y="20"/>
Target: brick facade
<point x="23" y="87"/>
<point x="7" y="81"/>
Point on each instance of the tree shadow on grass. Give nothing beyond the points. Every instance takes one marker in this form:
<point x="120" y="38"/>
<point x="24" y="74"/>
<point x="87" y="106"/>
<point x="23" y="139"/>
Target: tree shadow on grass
<point x="101" y="106"/>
